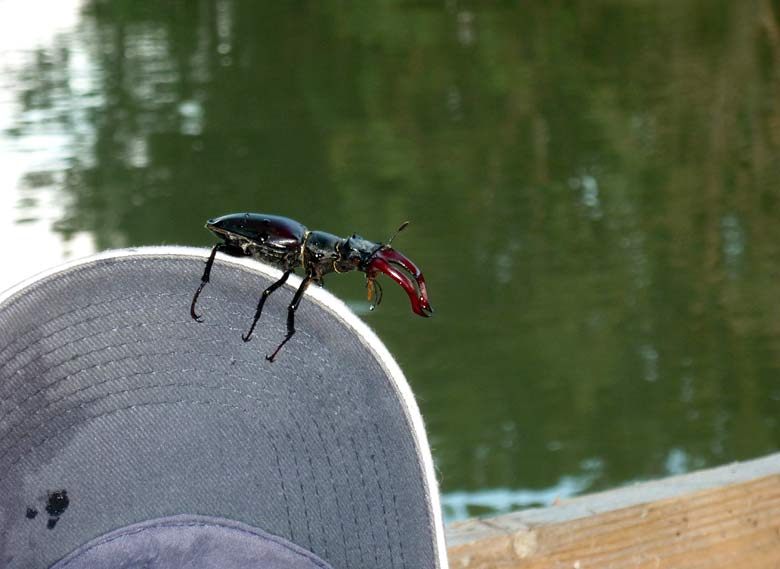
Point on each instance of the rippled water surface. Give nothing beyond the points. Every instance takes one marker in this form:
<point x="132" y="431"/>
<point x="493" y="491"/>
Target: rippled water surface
<point x="594" y="190"/>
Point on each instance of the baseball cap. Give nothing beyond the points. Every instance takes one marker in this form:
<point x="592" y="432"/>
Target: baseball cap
<point x="133" y="436"/>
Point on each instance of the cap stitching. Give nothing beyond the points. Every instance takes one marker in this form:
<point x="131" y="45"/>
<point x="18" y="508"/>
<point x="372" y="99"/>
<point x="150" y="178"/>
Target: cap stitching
<point x="69" y="343"/>
<point x="172" y="402"/>
<point x="28" y="347"/>
<point x="352" y="500"/>
<point x="318" y="430"/>
<point x="365" y="492"/>
<point x="303" y="492"/>
<point x="164" y="525"/>
<point x="108" y="413"/>
<point x="83" y="404"/>
<point x="60" y="380"/>
<point x="318" y="499"/>
<point x="102" y="397"/>
<point x="281" y="481"/>
<point x="384" y="509"/>
<point x="70" y="394"/>
<point x="248" y="396"/>
<point x="20" y="339"/>
<point x="362" y="475"/>
<point x="391" y="369"/>
<point x="393" y="495"/>
<point x="120" y="345"/>
<point x="302" y="333"/>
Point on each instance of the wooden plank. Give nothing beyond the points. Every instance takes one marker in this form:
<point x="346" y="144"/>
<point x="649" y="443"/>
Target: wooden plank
<point x="727" y="517"/>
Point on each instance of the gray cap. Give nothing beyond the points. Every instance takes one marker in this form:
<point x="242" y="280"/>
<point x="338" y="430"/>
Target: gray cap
<point x="133" y="436"/>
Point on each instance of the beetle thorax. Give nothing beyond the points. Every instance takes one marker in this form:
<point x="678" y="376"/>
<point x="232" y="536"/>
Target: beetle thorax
<point x="355" y="252"/>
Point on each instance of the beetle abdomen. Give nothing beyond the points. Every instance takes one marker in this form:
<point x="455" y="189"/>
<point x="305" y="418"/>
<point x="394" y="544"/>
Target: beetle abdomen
<point x="271" y="238"/>
<point x="285" y="256"/>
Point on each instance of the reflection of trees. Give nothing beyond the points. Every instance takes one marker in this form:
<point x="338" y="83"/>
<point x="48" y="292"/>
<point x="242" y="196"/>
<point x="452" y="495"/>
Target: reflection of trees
<point x="596" y="181"/>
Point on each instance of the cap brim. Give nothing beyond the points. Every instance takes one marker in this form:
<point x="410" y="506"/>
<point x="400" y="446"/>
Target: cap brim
<point x="112" y="394"/>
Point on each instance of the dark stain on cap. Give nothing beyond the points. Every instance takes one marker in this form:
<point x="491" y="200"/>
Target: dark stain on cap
<point x="56" y="505"/>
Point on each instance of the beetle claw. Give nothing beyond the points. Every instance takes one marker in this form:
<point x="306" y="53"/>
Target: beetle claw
<point x="374" y="292"/>
<point x="386" y="261"/>
<point x="195" y="316"/>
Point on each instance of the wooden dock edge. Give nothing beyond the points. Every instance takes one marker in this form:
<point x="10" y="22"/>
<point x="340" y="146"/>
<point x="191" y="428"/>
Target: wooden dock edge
<point x="725" y="517"/>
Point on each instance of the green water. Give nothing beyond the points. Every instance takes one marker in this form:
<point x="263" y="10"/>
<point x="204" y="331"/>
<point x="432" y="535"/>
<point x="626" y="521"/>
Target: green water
<point x="594" y="191"/>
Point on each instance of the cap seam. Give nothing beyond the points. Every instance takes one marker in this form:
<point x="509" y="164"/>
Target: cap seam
<point x="163" y="525"/>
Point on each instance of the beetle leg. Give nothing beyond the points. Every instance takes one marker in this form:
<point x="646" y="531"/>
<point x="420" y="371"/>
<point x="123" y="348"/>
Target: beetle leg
<point x="204" y="279"/>
<point x="378" y="294"/>
<point x="291" y="314"/>
<point x="266" y="293"/>
<point x="371" y="284"/>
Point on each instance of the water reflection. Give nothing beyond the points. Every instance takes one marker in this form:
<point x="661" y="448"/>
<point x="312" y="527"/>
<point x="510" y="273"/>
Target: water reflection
<point x="459" y="505"/>
<point x="593" y="192"/>
<point x="35" y="143"/>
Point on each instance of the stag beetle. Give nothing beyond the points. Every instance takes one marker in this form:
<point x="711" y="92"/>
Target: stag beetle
<point x="287" y="244"/>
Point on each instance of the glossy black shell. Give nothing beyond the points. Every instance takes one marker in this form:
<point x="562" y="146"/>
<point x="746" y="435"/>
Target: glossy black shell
<point x="270" y="238"/>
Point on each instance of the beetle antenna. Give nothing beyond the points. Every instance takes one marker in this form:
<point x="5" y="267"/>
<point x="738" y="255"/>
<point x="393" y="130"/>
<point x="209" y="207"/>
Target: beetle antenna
<point x="397" y="231"/>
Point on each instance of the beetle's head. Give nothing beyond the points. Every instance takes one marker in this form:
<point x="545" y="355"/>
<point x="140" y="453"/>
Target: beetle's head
<point x="229" y="226"/>
<point x="372" y="258"/>
<point x="355" y="253"/>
